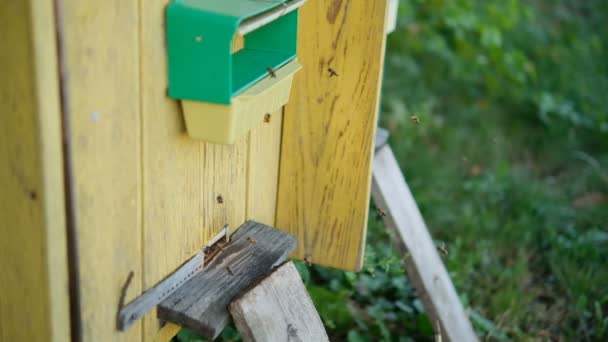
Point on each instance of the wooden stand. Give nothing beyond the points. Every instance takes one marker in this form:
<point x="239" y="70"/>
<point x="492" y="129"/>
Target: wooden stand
<point x="424" y="266"/>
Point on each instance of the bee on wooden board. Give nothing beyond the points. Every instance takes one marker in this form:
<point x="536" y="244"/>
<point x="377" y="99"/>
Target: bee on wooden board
<point x="332" y="72"/>
<point x="220" y="199"/>
<point x="251" y="240"/>
<point x="267" y="118"/>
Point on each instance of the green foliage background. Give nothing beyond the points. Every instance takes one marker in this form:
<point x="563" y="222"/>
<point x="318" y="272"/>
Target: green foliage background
<point x="508" y="165"/>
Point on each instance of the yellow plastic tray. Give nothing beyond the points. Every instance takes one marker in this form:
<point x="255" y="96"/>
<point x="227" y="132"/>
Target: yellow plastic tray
<point x="225" y="124"/>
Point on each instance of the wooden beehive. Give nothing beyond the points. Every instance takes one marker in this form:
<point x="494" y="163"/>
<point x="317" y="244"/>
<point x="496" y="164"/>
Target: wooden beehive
<point x="99" y="178"/>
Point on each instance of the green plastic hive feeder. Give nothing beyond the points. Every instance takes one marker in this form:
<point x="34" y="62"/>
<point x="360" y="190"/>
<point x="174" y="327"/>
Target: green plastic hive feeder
<point x="225" y="93"/>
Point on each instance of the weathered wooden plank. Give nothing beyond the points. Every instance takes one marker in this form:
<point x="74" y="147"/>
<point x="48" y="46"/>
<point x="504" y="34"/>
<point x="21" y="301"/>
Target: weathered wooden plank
<point x="328" y="130"/>
<point x="392" y="13"/>
<point x="101" y="59"/>
<point x="423" y="264"/>
<point x="278" y="309"/>
<point x="381" y="138"/>
<point x="263" y="170"/>
<point x="151" y="297"/>
<point x="182" y="177"/>
<point x="201" y="304"/>
<point x="34" y="303"/>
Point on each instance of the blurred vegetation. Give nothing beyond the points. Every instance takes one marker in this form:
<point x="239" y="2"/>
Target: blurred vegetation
<point x="508" y="164"/>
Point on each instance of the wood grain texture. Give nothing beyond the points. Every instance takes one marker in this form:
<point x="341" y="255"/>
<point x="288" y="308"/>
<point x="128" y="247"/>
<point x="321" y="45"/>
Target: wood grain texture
<point x="34" y="300"/>
<point x="328" y="130"/>
<point x="263" y="169"/>
<point x="201" y="304"/>
<point x="182" y="177"/>
<point x="424" y="266"/>
<point x="278" y="309"/>
<point x="102" y="62"/>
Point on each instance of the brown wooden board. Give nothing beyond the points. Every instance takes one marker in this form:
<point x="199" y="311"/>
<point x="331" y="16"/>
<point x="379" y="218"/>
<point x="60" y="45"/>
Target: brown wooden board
<point x="278" y="308"/>
<point x="423" y="264"/>
<point x="201" y="304"/>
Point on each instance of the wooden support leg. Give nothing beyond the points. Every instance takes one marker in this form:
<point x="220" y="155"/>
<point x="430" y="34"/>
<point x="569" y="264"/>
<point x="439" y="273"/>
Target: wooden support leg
<point x="424" y="266"/>
<point x="278" y="309"/>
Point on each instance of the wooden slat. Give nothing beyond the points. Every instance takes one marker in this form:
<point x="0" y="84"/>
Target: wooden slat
<point x="392" y="14"/>
<point x="278" y="309"/>
<point x="328" y="130"/>
<point x="424" y="267"/>
<point x="263" y="170"/>
<point x="381" y="138"/>
<point x="182" y="177"/>
<point x="102" y="83"/>
<point x="201" y="304"/>
<point x="34" y="301"/>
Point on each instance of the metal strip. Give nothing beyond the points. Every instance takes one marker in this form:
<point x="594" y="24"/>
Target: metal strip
<point x="260" y="20"/>
<point x="136" y="309"/>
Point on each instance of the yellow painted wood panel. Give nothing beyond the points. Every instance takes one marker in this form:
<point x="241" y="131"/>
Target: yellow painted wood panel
<point x="263" y="171"/>
<point x="102" y="59"/>
<point x="182" y="177"/>
<point x="34" y="302"/>
<point x="328" y="129"/>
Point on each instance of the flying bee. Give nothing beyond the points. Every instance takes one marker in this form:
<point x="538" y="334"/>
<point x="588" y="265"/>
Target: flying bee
<point x="381" y="212"/>
<point x="415" y="119"/>
<point x="332" y="72"/>
<point x="271" y="72"/>
<point x="308" y="260"/>
<point x="441" y="248"/>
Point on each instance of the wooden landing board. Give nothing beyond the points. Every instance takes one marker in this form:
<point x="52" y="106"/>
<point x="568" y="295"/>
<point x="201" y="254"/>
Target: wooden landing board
<point x="34" y="300"/>
<point x="278" y="308"/>
<point x="201" y="304"/>
<point x="328" y="130"/>
<point x="423" y="264"/>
